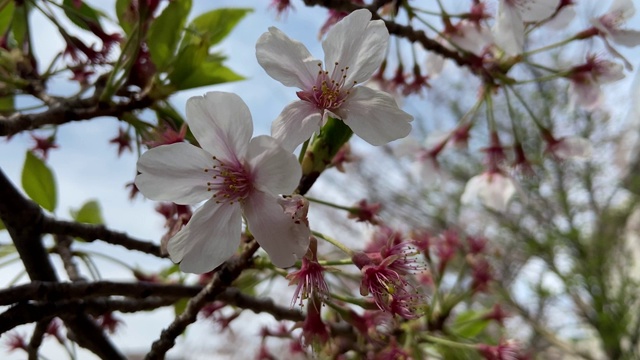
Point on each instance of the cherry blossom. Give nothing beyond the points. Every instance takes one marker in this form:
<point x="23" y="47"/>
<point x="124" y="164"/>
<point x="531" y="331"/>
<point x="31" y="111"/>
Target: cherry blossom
<point x="512" y="16"/>
<point x="354" y="48"/>
<point x="469" y="36"/>
<point x="609" y="27"/>
<point x="491" y="188"/>
<point x="236" y="175"/>
<point x="610" y="24"/>
<point x="570" y="147"/>
<point x="586" y="79"/>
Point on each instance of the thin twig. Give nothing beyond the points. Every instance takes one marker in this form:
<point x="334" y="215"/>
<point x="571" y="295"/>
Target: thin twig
<point x="221" y="279"/>
<point x="36" y="338"/>
<point x="63" y="248"/>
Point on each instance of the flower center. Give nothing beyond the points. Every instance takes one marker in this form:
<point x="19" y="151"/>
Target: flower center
<point x="329" y="91"/>
<point x="230" y="182"/>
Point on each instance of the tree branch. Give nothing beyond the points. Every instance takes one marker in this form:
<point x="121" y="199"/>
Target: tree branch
<point x="23" y="219"/>
<point x="66" y="111"/>
<point x="59" y="298"/>
<point x="222" y="278"/>
<point x="471" y="61"/>
<point x="90" y="233"/>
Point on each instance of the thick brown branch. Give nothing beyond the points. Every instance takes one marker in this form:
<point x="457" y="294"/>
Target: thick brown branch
<point x="90" y="233"/>
<point x="67" y="111"/>
<point x="58" y="298"/>
<point x="25" y="313"/>
<point x="23" y="219"/>
<point x="54" y="291"/>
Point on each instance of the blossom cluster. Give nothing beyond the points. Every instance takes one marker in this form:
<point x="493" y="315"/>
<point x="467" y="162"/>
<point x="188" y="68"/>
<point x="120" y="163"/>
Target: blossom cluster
<point x="252" y="187"/>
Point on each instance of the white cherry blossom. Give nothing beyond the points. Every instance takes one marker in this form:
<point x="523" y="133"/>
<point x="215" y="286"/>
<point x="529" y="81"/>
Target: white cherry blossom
<point x="512" y="16"/>
<point x="236" y="175"/>
<point x="610" y="25"/>
<point x="491" y="188"/>
<point x="586" y="81"/>
<point x="354" y="48"/>
<point x="571" y="147"/>
<point x="469" y="36"/>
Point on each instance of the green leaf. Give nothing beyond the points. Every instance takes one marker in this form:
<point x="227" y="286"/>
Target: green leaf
<point x="179" y="306"/>
<point x="2" y="227"/>
<point x="81" y="16"/>
<point x="19" y="25"/>
<point x="7" y="104"/>
<point x="165" y="31"/>
<point x="209" y="74"/>
<point x="469" y="324"/>
<point x="89" y="213"/>
<point x="213" y="26"/>
<point x="7" y="8"/>
<point x="38" y="182"/>
<point x="6" y="250"/>
<point x="126" y="16"/>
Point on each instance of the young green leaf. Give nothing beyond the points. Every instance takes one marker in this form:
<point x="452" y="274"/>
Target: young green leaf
<point x="6" y="15"/>
<point x="38" y="182"/>
<point x="127" y="16"/>
<point x="89" y="213"/>
<point x="82" y="16"/>
<point x="469" y="324"/>
<point x="213" y="26"/>
<point x="194" y="67"/>
<point x="165" y="31"/>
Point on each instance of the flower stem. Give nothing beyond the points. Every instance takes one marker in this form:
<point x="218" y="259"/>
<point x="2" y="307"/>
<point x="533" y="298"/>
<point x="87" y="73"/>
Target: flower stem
<point x="349" y="209"/>
<point x="448" y="343"/>
<point x="336" y="262"/>
<point x="549" y="47"/>
<point x="360" y="302"/>
<point x="334" y="242"/>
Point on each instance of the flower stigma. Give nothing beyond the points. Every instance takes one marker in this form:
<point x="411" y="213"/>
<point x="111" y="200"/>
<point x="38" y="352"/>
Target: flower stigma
<point x="230" y="182"/>
<point x="329" y="91"/>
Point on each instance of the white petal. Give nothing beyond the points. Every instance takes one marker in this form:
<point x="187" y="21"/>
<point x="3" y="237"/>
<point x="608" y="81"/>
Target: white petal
<point x="427" y="172"/>
<point x="471" y="38"/>
<point x="435" y="64"/>
<point x="586" y="94"/>
<point x="509" y="30"/>
<point x="279" y="235"/>
<point x="358" y="43"/>
<point x="286" y="60"/>
<point x="536" y="10"/>
<point x="493" y="190"/>
<point x="624" y="9"/>
<point x="210" y="238"/>
<point x="563" y="18"/>
<point x="174" y="173"/>
<point x="628" y="38"/>
<point x="274" y="169"/>
<point x="221" y="122"/>
<point x="608" y="72"/>
<point x="573" y="147"/>
<point x="295" y="124"/>
<point x="374" y="116"/>
<point x="408" y="146"/>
